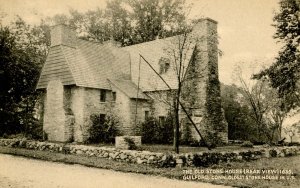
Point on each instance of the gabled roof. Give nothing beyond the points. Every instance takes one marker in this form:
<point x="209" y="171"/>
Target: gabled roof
<point x="129" y="89"/>
<point x="56" y="67"/>
<point x="89" y="65"/>
<point x="153" y="51"/>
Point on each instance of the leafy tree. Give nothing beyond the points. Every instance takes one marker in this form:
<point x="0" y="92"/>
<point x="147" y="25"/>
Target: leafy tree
<point x="127" y="21"/>
<point x="268" y="110"/>
<point x="237" y="114"/>
<point x="22" y="52"/>
<point x="284" y="74"/>
<point x="156" y="18"/>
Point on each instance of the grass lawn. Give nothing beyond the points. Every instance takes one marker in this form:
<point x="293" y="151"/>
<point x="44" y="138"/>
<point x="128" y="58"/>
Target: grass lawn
<point x="186" y="149"/>
<point x="292" y="163"/>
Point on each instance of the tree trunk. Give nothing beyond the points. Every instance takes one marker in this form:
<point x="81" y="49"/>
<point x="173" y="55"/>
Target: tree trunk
<point x="177" y="123"/>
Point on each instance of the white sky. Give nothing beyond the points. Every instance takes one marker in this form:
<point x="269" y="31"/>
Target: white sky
<point x="244" y="26"/>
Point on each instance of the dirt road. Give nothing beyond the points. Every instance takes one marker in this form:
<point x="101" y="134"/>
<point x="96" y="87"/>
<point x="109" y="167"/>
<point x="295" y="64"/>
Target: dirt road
<point x="19" y="172"/>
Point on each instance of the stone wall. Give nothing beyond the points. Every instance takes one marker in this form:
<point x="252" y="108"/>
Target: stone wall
<point x="137" y="116"/>
<point x="69" y="115"/>
<point x="77" y="104"/>
<point x="161" y="103"/>
<point x="122" y="110"/>
<point x="54" y="117"/>
<point x="93" y="106"/>
<point x="68" y="111"/>
<point x="125" y="109"/>
<point x="155" y="158"/>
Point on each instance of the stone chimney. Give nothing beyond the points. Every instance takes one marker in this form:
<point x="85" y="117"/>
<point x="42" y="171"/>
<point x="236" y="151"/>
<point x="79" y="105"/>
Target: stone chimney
<point x="207" y="97"/>
<point x="63" y="35"/>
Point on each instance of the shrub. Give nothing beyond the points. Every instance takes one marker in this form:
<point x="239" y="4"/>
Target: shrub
<point x="34" y="130"/>
<point x="207" y="159"/>
<point x="103" y="132"/>
<point x="247" y="144"/>
<point x="246" y="155"/>
<point x="273" y="153"/>
<point x="186" y="136"/>
<point x="169" y="162"/>
<point x="155" y="132"/>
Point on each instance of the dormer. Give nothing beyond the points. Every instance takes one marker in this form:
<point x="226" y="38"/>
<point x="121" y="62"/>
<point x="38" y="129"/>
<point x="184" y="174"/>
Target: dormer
<point x="164" y="65"/>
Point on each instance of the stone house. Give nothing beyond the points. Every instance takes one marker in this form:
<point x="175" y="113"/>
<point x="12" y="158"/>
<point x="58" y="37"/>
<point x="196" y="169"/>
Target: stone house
<point x="81" y="78"/>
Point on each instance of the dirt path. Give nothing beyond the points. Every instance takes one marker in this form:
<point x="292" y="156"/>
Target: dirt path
<point x="19" y="172"/>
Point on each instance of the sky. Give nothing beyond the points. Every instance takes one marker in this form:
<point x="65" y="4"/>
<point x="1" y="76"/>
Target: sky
<point x="244" y="27"/>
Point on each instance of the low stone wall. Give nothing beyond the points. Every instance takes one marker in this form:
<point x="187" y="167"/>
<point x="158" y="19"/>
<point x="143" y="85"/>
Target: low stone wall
<point x="153" y="158"/>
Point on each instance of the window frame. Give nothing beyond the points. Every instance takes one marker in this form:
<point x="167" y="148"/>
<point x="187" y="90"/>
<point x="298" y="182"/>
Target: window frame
<point x="102" y="95"/>
<point x="114" y="96"/>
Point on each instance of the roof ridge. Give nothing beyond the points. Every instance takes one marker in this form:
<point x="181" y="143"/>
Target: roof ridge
<point x="152" y="41"/>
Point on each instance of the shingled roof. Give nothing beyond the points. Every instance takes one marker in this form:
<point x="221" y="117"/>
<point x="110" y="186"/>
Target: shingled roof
<point x="129" y="89"/>
<point x="153" y="51"/>
<point x="90" y="64"/>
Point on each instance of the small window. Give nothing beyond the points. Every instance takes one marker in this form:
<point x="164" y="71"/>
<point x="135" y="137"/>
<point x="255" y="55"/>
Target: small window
<point x="161" y="119"/>
<point x="102" y="119"/>
<point x="102" y="95"/>
<point x="114" y="96"/>
<point x="146" y="115"/>
<point x="164" y="65"/>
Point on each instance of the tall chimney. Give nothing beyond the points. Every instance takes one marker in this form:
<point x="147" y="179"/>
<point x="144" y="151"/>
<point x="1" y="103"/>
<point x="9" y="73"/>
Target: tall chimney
<point x="207" y="100"/>
<point x="63" y="35"/>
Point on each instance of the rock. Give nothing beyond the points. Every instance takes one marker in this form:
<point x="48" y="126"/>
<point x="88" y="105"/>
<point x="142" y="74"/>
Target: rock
<point x="179" y="163"/>
<point x="105" y="155"/>
<point x="140" y="161"/>
<point x="151" y="158"/>
<point x="123" y="156"/>
<point x="79" y="152"/>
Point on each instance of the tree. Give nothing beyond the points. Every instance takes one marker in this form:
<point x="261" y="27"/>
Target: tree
<point x="284" y="74"/>
<point x="127" y="21"/>
<point x="267" y="108"/>
<point x="22" y="52"/>
<point x="292" y="130"/>
<point x="156" y="18"/>
<point x="237" y="114"/>
<point x="183" y="54"/>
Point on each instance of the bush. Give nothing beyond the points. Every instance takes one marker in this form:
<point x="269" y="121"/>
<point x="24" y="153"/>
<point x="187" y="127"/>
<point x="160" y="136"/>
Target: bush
<point x="186" y="135"/>
<point x="207" y="159"/>
<point x="273" y="153"/>
<point x="247" y="144"/>
<point x="169" y="162"/>
<point x="103" y="132"/>
<point x="153" y="132"/>
<point x="34" y="130"/>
